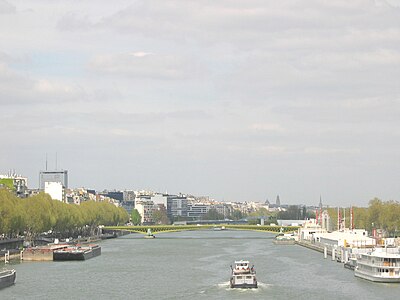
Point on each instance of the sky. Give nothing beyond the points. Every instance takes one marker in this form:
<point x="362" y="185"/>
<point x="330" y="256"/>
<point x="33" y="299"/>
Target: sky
<point x="238" y="100"/>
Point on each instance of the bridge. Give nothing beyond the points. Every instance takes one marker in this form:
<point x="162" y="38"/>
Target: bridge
<point x="173" y="228"/>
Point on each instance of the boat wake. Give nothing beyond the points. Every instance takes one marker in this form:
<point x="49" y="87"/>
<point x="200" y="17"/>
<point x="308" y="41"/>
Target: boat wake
<point x="261" y="286"/>
<point x="224" y="285"/>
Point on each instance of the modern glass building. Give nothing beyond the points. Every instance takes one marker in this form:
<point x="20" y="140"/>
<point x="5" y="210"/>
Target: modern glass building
<point x="53" y="176"/>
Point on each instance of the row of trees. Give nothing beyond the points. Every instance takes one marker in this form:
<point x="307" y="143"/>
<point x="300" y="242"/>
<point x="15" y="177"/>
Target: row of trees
<point x="37" y="214"/>
<point x="379" y="214"/>
<point x="295" y="212"/>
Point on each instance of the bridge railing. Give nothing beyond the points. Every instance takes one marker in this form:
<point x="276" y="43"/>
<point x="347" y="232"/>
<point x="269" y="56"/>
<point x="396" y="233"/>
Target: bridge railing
<point x="171" y="228"/>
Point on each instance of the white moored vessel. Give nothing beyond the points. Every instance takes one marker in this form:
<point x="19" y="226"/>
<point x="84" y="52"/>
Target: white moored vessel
<point x="379" y="265"/>
<point x="243" y="276"/>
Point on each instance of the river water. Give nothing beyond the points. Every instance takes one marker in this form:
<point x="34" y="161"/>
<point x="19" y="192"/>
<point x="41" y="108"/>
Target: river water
<point x="193" y="265"/>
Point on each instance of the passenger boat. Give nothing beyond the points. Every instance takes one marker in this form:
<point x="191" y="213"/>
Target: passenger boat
<point x="379" y="265"/>
<point x="243" y="276"/>
<point x="219" y="228"/>
<point x="7" y="278"/>
<point x="77" y="253"/>
<point x="149" y="234"/>
<point x="285" y="239"/>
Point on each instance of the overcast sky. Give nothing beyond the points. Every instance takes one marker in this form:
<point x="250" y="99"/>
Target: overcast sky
<point x="239" y="100"/>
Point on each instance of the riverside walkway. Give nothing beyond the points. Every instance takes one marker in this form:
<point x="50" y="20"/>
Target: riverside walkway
<point x="171" y="228"/>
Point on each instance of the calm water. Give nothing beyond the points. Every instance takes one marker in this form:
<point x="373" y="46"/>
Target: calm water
<point x="193" y="265"/>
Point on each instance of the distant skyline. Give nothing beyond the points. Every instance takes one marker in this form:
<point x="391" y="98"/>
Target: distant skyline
<point x="238" y="100"/>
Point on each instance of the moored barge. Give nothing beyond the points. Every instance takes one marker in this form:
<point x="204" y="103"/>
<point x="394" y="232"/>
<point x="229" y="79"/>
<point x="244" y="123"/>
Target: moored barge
<point x="7" y="278"/>
<point x="77" y="253"/>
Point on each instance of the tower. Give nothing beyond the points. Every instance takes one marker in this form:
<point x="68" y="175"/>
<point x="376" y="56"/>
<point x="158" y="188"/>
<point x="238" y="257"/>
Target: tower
<point x="278" y="201"/>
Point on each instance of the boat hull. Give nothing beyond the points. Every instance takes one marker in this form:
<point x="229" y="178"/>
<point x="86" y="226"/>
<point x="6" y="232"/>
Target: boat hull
<point x="376" y="278"/>
<point x="7" y="278"/>
<point x="76" y="255"/>
<point x="239" y="281"/>
<point x="244" y="286"/>
<point x="235" y="285"/>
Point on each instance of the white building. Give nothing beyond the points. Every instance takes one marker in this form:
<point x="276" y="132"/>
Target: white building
<point x="53" y="176"/>
<point x="55" y="190"/>
<point x="160" y="199"/>
<point x="145" y="207"/>
<point x="310" y="229"/>
<point x="17" y="182"/>
<point x="356" y="238"/>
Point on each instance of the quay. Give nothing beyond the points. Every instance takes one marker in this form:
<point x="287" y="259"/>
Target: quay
<point x="41" y="253"/>
<point x="11" y="254"/>
<point x="314" y="247"/>
<point x="343" y="246"/>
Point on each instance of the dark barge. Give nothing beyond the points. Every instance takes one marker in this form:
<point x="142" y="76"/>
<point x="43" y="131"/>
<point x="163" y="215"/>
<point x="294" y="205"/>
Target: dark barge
<point x="7" y="278"/>
<point x="77" y="253"/>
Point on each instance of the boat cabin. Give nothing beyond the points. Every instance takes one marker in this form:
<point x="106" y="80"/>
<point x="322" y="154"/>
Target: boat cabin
<point x="242" y="265"/>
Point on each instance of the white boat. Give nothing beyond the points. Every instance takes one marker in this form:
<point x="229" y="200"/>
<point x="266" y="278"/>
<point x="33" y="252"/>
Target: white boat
<point x="219" y="228"/>
<point x="243" y="276"/>
<point x="149" y="234"/>
<point x="379" y="265"/>
<point x="285" y="239"/>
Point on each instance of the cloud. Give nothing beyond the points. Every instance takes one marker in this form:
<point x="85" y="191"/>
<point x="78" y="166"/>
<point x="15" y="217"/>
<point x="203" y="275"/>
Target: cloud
<point x="72" y="22"/>
<point x="267" y="127"/>
<point x="144" y="65"/>
<point x="7" y="8"/>
<point x="16" y="88"/>
<point x="243" y="23"/>
<point x="262" y="91"/>
<point x="317" y="150"/>
<point x="141" y="54"/>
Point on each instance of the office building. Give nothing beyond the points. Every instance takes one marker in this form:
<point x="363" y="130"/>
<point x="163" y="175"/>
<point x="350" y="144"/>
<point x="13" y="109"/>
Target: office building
<point x="53" y="176"/>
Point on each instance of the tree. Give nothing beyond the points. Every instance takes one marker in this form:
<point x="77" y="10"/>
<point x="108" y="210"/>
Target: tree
<point x="292" y="213"/>
<point x="136" y="219"/>
<point x="237" y="215"/>
<point x="160" y="217"/>
<point x="213" y="214"/>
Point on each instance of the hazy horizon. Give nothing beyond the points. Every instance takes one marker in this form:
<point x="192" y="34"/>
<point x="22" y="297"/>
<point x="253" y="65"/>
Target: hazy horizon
<point x="237" y="100"/>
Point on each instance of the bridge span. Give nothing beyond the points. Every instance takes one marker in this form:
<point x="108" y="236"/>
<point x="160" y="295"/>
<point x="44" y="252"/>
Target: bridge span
<point x="171" y="228"/>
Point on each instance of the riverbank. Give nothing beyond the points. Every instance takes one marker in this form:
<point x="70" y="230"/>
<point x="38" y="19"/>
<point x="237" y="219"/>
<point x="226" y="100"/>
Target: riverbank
<point x="198" y="264"/>
<point x="13" y="250"/>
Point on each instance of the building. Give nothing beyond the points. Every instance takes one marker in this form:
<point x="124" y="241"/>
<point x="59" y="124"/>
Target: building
<point x="160" y="199"/>
<point x="53" y="176"/>
<point x="116" y="195"/>
<point x="224" y="209"/>
<point x="128" y="201"/>
<point x="177" y="206"/>
<point x="16" y="183"/>
<point x="145" y="207"/>
<point x="348" y="238"/>
<point x="55" y="190"/>
<point x="197" y="210"/>
<point x="278" y="201"/>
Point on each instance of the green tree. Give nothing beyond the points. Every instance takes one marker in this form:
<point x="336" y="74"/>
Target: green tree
<point x="160" y="217"/>
<point x="136" y="219"/>
<point x="292" y="213"/>
<point x="237" y="215"/>
<point x="213" y="214"/>
<point x="40" y="213"/>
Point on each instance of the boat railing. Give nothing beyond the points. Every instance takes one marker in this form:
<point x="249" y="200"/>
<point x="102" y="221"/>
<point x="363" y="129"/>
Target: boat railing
<point x="381" y="264"/>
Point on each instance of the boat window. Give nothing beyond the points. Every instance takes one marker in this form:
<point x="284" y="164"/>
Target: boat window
<point x="248" y="277"/>
<point x="239" y="277"/>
